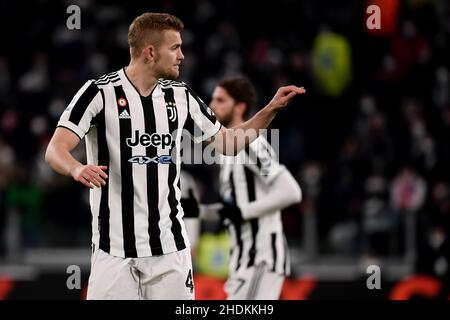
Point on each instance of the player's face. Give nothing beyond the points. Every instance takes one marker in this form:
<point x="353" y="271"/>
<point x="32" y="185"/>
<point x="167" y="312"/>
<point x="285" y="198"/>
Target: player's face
<point x="168" y="56"/>
<point x="223" y="106"/>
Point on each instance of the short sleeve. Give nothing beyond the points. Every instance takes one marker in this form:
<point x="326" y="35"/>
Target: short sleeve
<point x="85" y="105"/>
<point x="201" y="121"/>
<point x="262" y="160"/>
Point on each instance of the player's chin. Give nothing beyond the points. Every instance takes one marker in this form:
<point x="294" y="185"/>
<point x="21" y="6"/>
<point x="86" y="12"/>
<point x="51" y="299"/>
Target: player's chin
<point x="172" y="75"/>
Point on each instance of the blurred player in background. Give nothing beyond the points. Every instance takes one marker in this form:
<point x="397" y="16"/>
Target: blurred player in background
<point x="254" y="191"/>
<point x="132" y="120"/>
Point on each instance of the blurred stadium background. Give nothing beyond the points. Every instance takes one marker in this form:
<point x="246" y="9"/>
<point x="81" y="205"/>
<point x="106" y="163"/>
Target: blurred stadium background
<point x="369" y="143"/>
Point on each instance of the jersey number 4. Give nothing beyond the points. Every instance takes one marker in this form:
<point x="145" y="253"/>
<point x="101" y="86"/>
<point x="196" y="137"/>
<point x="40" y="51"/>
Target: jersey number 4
<point x="189" y="283"/>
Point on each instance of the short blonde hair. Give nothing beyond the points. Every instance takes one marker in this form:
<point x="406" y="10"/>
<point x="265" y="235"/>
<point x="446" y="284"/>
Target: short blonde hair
<point x="147" y="28"/>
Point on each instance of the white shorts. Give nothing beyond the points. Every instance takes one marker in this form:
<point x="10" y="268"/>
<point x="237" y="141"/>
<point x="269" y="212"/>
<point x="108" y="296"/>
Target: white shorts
<point x="165" y="277"/>
<point x="254" y="283"/>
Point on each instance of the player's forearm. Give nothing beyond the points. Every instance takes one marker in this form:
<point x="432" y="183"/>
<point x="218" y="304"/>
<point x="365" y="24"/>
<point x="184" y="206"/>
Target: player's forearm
<point x="284" y="192"/>
<point x="238" y="137"/>
<point x="60" y="159"/>
<point x="260" y="120"/>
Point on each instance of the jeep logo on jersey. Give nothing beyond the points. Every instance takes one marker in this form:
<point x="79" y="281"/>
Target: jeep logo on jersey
<point x="147" y="140"/>
<point x="146" y="160"/>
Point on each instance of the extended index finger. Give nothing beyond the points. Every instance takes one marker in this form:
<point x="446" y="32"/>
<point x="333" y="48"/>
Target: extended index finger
<point x="291" y="89"/>
<point x="298" y="90"/>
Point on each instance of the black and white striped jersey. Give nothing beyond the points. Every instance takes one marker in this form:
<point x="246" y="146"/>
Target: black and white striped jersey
<point x="138" y="212"/>
<point x="244" y="179"/>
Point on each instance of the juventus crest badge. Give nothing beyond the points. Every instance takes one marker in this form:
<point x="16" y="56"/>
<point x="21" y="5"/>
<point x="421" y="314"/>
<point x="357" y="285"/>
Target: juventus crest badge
<point x="171" y="111"/>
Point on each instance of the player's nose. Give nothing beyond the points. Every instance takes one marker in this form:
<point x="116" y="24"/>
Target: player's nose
<point x="180" y="55"/>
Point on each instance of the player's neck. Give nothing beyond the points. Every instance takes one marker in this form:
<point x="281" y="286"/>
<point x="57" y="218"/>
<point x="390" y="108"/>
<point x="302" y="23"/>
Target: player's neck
<point x="235" y="122"/>
<point x="141" y="78"/>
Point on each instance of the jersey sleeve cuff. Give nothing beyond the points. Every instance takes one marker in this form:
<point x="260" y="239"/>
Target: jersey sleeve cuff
<point x="72" y="127"/>
<point x="210" y="133"/>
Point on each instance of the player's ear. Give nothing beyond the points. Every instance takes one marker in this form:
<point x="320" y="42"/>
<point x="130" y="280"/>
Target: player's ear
<point x="149" y="53"/>
<point x="240" y="108"/>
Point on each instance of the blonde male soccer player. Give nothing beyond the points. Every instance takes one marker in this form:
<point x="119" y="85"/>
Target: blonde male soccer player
<point x="132" y="121"/>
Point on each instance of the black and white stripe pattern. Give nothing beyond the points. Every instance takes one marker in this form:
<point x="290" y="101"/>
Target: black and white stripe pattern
<point x="259" y="240"/>
<point x="138" y="212"/>
<point x="107" y="78"/>
<point x="173" y="175"/>
<point x="255" y="281"/>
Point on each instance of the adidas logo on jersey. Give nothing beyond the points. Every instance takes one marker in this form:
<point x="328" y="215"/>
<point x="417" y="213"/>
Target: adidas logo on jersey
<point x="124" y="115"/>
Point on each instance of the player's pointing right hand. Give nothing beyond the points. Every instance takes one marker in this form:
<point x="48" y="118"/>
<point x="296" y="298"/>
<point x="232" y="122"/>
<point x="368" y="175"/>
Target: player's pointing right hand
<point x="284" y="95"/>
<point x="90" y="175"/>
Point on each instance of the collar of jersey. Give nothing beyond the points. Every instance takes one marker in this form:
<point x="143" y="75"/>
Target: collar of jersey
<point x="137" y="91"/>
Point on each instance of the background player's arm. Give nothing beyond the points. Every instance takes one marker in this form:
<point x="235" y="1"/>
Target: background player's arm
<point x="58" y="156"/>
<point x="284" y="192"/>
<point x="232" y="140"/>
